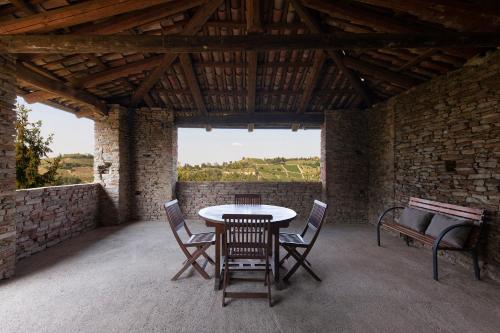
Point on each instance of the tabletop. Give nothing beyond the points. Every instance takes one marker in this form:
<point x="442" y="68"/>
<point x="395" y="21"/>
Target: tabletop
<point x="214" y="213"/>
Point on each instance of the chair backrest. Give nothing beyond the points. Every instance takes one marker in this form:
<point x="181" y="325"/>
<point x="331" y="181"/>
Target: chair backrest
<point x="247" y="199"/>
<point x="247" y="236"/>
<point x="175" y="218"/>
<point x="315" y="220"/>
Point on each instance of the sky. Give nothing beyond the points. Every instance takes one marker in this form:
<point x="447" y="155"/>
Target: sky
<point x="195" y="145"/>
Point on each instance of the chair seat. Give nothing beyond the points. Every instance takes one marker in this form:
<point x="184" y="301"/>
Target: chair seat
<point x="293" y="240"/>
<point x="201" y="239"/>
<point x="246" y="253"/>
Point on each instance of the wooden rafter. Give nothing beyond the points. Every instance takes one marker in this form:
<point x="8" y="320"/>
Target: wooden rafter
<point x="170" y="45"/>
<point x="312" y="80"/>
<point x="193" y="26"/>
<point x="72" y="15"/>
<point x="380" y="72"/>
<point x="58" y="88"/>
<point x="336" y="56"/>
<point x="138" y="18"/>
<point x="121" y="71"/>
<point x="415" y="61"/>
<point x="23" y="6"/>
<point x="458" y="16"/>
<point x="192" y="82"/>
<point x="254" y="25"/>
<point x="375" y="20"/>
<point x="251" y="80"/>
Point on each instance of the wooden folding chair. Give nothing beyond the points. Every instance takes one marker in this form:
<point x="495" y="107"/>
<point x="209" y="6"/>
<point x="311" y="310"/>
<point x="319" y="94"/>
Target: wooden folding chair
<point x="247" y="199"/>
<point x="200" y="241"/>
<point x="246" y="237"/>
<point x="292" y="242"/>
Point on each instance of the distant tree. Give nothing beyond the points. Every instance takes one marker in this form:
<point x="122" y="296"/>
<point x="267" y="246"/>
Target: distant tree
<point x="31" y="148"/>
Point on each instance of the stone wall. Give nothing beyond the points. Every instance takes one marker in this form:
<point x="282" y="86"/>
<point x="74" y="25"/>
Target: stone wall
<point x="153" y="162"/>
<point x="111" y="165"/>
<point x="344" y="165"/>
<point x="7" y="166"/>
<point x="295" y="195"/>
<point x="441" y="141"/>
<point x="49" y="215"/>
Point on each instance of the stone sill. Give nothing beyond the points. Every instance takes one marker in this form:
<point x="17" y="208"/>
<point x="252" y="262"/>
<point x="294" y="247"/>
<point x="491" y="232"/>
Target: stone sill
<point x="57" y="187"/>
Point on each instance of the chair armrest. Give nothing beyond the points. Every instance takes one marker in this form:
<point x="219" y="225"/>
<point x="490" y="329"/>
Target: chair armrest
<point x="387" y="211"/>
<point x="445" y="231"/>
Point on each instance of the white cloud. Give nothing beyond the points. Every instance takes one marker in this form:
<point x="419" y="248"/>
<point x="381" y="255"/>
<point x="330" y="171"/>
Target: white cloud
<point x="236" y="144"/>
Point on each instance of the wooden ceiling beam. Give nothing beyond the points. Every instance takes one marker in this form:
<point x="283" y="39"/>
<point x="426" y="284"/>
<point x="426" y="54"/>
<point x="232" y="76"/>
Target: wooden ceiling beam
<point x="254" y="25"/>
<point x="460" y="16"/>
<point x="192" y="82"/>
<point x="58" y="88"/>
<point x="138" y="18"/>
<point x="74" y="14"/>
<point x="380" y="72"/>
<point x="170" y="45"/>
<point x="201" y="16"/>
<point x="335" y="55"/>
<point x="23" y="6"/>
<point x="251" y="80"/>
<point x="121" y="71"/>
<point x="312" y="81"/>
<point x="345" y="11"/>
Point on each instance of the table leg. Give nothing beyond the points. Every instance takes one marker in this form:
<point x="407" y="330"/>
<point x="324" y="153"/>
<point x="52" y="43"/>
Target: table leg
<point x="278" y="283"/>
<point x="217" y="259"/>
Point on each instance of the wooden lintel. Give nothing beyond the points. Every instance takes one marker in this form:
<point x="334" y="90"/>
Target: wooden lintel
<point x="267" y="120"/>
<point x="188" y="44"/>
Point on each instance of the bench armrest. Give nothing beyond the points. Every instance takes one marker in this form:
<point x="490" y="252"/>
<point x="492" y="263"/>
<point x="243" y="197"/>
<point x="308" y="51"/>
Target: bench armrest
<point x="387" y="211"/>
<point x="445" y="231"/>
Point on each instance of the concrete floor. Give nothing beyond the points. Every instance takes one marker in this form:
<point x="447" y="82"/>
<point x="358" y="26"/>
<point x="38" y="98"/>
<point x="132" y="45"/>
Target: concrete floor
<point x="118" y="280"/>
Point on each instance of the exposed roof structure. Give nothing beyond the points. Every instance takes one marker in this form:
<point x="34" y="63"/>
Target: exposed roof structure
<point x="303" y="81"/>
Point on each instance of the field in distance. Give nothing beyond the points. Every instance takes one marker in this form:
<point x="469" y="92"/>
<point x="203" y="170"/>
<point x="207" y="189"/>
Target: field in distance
<point x="254" y="169"/>
<point x="73" y="169"/>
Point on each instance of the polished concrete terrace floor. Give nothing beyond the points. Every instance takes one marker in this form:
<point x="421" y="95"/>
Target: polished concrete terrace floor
<point x="117" y="279"/>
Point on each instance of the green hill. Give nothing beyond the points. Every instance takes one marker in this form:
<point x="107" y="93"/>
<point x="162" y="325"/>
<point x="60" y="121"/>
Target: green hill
<point x="254" y="169"/>
<point x="74" y="169"/>
<point x="78" y="168"/>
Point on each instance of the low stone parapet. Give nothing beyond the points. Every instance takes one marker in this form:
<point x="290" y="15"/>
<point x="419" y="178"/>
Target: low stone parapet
<point x="49" y="215"/>
<point x="298" y="196"/>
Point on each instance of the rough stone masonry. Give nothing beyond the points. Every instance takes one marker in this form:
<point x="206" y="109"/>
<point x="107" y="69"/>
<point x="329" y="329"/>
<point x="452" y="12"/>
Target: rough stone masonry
<point x="441" y="141"/>
<point x="7" y="166"/>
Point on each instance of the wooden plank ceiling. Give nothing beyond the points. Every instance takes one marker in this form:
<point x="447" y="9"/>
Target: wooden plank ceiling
<point x="290" y="81"/>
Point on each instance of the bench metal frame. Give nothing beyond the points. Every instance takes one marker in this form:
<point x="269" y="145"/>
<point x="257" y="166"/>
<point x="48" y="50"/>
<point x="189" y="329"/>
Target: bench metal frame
<point x="472" y="245"/>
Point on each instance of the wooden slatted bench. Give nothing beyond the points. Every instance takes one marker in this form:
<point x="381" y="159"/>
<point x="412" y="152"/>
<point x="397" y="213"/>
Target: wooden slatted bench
<point x="473" y="218"/>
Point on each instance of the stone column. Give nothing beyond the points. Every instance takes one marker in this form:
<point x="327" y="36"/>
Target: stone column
<point x="344" y="165"/>
<point x="111" y="165"/>
<point x="7" y="166"/>
<point x="154" y="162"/>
